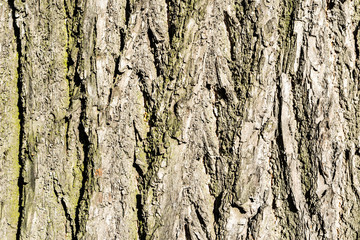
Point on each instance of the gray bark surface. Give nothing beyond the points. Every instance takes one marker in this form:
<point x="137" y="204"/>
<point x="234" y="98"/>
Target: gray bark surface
<point x="179" y="119"/>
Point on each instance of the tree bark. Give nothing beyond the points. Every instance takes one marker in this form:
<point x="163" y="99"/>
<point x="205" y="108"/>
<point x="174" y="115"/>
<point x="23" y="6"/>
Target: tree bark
<point x="179" y="119"/>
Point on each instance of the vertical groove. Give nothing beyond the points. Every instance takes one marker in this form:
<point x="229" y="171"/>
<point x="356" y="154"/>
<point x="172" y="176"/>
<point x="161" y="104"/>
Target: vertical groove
<point x="89" y="142"/>
<point x="82" y="202"/>
<point x="160" y="120"/>
<point x="73" y="29"/>
<point x="356" y="37"/>
<point x="21" y="111"/>
<point x="67" y="214"/>
<point x="127" y="12"/>
<point x="69" y="63"/>
<point x="292" y="226"/>
<point x="281" y="180"/>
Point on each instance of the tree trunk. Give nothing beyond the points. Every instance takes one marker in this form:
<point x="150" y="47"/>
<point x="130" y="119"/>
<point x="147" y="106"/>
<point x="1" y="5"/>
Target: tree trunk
<point x="179" y="119"/>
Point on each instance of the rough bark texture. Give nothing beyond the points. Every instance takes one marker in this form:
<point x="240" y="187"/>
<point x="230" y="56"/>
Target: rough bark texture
<point x="179" y="119"/>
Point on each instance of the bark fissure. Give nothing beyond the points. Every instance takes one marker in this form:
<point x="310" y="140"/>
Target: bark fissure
<point x="153" y="45"/>
<point x="280" y="187"/>
<point x="141" y="219"/>
<point x="60" y="197"/>
<point x="357" y="40"/>
<point x="88" y="139"/>
<point x="128" y="11"/>
<point x="21" y="111"/>
<point x="141" y="170"/>
<point x="187" y="232"/>
<point x="286" y="60"/>
<point x="74" y="22"/>
<point x="82" y="206"/>
<point x="232" y="40"/>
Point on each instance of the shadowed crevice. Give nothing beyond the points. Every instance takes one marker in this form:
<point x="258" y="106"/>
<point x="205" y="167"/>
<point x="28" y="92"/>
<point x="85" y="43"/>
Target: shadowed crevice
<point x="21" y="110"/>
<point x="171" y="26"/>
<point x="187" y="232"/>
<point x="154" y="50"/>
<point x="140" y="217"/>
<point x="87" y="176"/>
<point x="141" y="221"/>
<point x="330" y="4"/>
<point x="88" y="139"/>
<point x="127" y="12"/>
<point x="60" y="198"/>
<point x="281" y="184"/>
<point x="217" y="210"/>
<point x="117" y="73"/>
<point x="228" y="24"/>
<point x="357" y="40"/>
<point x="201" y="221"/>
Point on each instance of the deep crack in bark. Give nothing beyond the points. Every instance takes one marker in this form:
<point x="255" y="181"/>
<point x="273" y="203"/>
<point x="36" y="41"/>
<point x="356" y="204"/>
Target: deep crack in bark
<point x="21" y="110"/>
